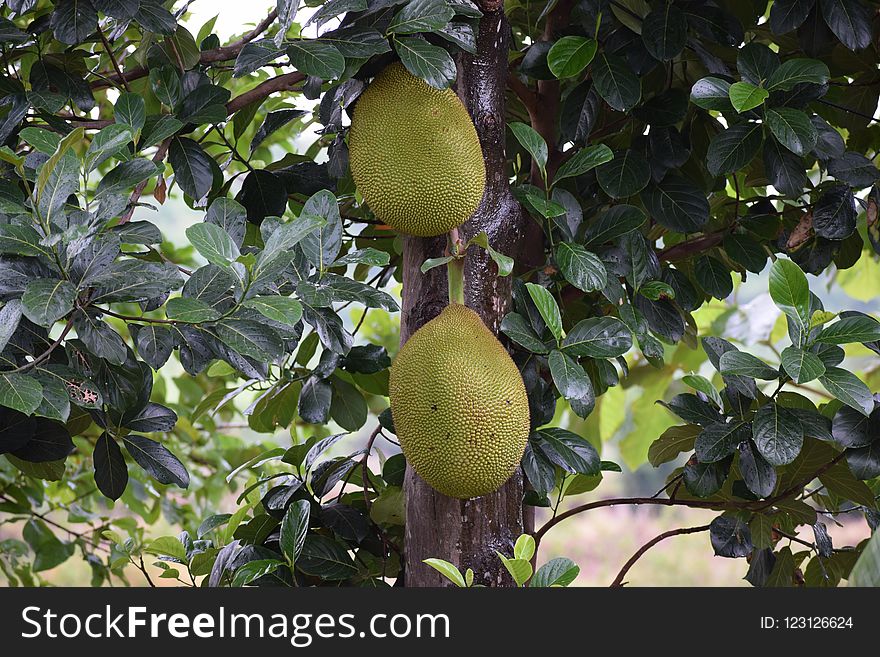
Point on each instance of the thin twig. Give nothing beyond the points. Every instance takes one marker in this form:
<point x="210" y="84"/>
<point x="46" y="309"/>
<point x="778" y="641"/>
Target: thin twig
<point x="618" y="581"/>
<point x="45" y="355"/>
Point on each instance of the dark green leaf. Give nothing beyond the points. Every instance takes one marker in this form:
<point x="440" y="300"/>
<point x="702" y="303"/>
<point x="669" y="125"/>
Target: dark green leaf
<point x="517" y="328"/>
<point x="585" y="159"/>
<point x="712" y="94"/>
<point x="834" y="214"/>
<point x="100" y="338"/>
<point x="581" y="268"/>
<point x="625" y="175"/>
<point x="854" y="169"/>
<point x="792" y="128"/>
<point x="46" y="300"/>
<point x="777" y="433"/>
<point x="192" y="166"/>
<point x="572" y="382"/>
<point x="111" y="473"/>
<point x="615" y="221"/>
<point x="130" y="110"/>
<point x="850" y="20"/>
<point x="547" y="307"/>
<point x="744" y="364"/>
<point x="790" y="291"/>
<point x="531" y="141"/>
<point x="758" y="475"/>
<point x="713" y="276"/>
<point x="314" y="401"/>
<point x="797" y="71"/>
<point x="317" y="58"/>
<point x="325" y="558"/>
<point x="730" y="537"/>
<point x="664" y="32"/>
<point x="157" y="461"/>
<point x="705" y="479"/>
<point x="73" y="21"/>
<point x="569" y="451"/>
<point x="732" y="149"/>
<point x="718" y="441"/>
<point x="677" y="204"/>
<point x="802" y="366"/>
<point x="859" y="328"/>
<point x="848" y="388"/>
<point x="421" y="16"/>
<point x="213" y="243"/>
<point x="294" y="528"/>
<point x="788" y="15"/>
<point x="430" y="63"/>
<point x="616" y="83"/>
<point x="250" y="338"/>
<point x="598" y="337"/>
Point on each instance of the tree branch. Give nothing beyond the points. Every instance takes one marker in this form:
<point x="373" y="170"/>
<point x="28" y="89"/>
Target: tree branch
<point x="618" y="581"/>
<point x="285" y="82"/>
<point x="221" y="54"/>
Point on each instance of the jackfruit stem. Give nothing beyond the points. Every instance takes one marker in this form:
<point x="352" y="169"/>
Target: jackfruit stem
<point x="455" y="268"/>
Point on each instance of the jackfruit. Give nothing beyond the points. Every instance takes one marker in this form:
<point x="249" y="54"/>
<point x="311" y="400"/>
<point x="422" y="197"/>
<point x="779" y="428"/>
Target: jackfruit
<point x="415" y="155"/>
<point x="459" y="405"/>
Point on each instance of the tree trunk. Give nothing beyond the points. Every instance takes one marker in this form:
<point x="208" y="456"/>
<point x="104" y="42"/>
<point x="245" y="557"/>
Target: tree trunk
<point x="468" y="532"/>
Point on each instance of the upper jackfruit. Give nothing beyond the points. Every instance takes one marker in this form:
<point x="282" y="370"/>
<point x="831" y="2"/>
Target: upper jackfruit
<point x="415" y="155"/>
<point x="459" y="405"/>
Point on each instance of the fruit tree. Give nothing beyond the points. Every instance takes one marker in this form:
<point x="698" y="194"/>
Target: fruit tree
<point x="635" y="196"/>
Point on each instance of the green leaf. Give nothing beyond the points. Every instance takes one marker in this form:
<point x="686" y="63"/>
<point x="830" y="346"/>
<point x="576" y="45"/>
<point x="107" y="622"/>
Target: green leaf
<point x="348" y="408"/>
<point x="279" y="309"/>
<point x="777" y="433"/>
<point x="187" y="309"/>
<point x="213" y="243"/>
<point x="156" y="460"/>
<point x="278" y="250"/>
<point x="840" y="481"/>
<point x="111" y="472"/>
<point x="448" y="570"/>
<point x="664" y="32"/>
<point x="428" y="62"/>
<point x="253" y="570"/>
<point x="106" y="143"/>
<point x="571" y="55"/>
<point x="790" y="291"/>
<point x="20" y="392"/>
<point x="49" y="552"/>
<point x="421" y="16"/>
<point x="702" y="384"/>
<point x="585" y="159"/>
<point x="745" y="96"/>
<point x="524" y="548"/>
<point x="294" y="528"/>
<point x="556" y="572"/>
<point x="851" y="329"/>
<point x="317" y="58"/>
<point x="50" y="166"/>
<point x="615" y="221"/>
<point x="712" y="94"/>
<point x="792" y="128"/>
<point x="520" y="569"/>
<point x="732" y="149"/>
<point x="120" y="179"/>
<point x="517" y="328"/>
<point x="866" y="572"/>
<point x="250" y="338"/>
<point x="713" y="276"/>
<point x="744" y="364"/>
<point x="503" y="262"/>
<point x="616" y="83"/>
<point x="625" y="175"/>
<point x="572" y="382"/>
<point x="849" y="389"/>
<point x="532" y="142"/>
<point x="548" y="308"/>
<point x="431" y="263"/>
<point x="758" y="475"/>
<point x="581" y="268"/>
<point x="193" y="167"/>
<point x="598" y="337"/>
<point x="801" y="365"/>
<point x="46" y="300"/>
<point x="797" y="71"/>
<point x="672" y="442"/>
<point x="569" y="451"/>
<point x="130" y="111"/>
<point x="718" y="441"/>
<point x="850" y="20"/>
<point x="677" y="204"/>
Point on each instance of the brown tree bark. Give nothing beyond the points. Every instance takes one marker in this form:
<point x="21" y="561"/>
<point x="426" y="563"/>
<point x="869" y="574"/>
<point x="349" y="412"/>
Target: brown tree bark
<point x="468" y="532"/>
